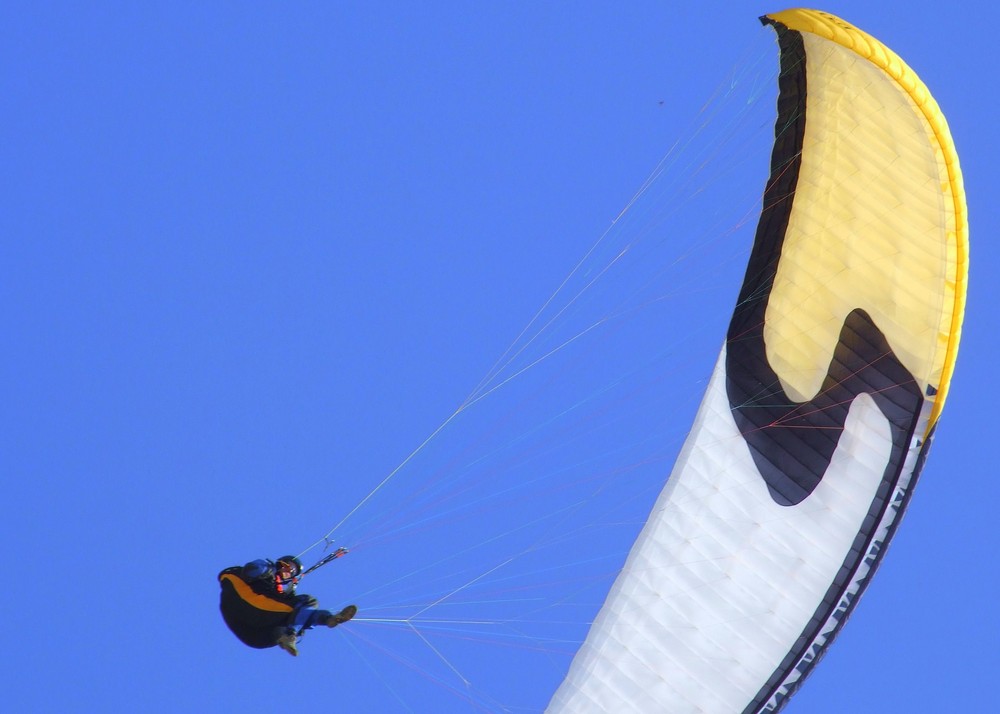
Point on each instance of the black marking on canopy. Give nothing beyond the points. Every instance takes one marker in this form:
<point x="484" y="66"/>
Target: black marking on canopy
<point x="791" y="442"/>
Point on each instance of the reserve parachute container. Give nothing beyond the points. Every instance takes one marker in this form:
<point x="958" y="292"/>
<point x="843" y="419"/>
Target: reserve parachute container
<point x="821" y="407"/>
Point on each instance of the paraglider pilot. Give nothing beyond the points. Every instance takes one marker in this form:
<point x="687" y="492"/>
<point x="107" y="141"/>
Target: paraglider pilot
<point x="260" y="606"/>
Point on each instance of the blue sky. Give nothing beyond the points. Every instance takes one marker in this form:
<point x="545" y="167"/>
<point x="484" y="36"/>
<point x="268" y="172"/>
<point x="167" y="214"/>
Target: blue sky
<point x="253" y="257"/>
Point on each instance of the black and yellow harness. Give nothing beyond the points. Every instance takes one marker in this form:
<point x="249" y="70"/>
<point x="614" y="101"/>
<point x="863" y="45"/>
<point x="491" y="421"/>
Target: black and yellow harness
<point x="253" y="610"/>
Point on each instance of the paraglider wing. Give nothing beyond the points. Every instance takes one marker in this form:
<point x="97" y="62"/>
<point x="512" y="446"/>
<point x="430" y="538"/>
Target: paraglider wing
<point x="822" y="404"/>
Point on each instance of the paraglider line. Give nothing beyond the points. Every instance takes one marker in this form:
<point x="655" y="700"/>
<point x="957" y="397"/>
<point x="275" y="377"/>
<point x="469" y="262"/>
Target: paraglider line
<point x="440" y="656"/>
